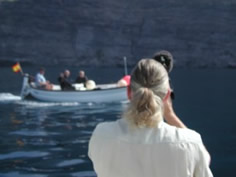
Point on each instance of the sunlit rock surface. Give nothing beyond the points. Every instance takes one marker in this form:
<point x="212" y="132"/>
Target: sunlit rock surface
<point x="199" y="33"/>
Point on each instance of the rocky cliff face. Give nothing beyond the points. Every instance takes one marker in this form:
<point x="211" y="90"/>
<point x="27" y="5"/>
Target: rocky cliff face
<point x="199" y="33"/>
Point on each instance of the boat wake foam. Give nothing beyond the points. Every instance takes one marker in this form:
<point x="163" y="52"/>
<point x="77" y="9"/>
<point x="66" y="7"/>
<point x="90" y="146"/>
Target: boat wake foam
<point x="34" y="104"/>
<point x="11" y="98"/>
<point x="8" y="97"/>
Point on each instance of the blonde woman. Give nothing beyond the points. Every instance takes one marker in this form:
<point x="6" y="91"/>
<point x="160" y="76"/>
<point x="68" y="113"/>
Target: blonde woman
<point x="141" y="144"/>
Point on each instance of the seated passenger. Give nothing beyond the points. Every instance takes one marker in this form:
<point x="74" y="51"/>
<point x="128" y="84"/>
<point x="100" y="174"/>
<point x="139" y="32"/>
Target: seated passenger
<point x="60" y="78"/>
<point x="82" y="78"/>
<point x="64" y="81"/>
<point x="40" y="80"/>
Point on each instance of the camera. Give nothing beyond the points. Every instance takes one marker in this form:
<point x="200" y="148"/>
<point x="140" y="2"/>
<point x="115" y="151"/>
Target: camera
<point x="166" y="59"/>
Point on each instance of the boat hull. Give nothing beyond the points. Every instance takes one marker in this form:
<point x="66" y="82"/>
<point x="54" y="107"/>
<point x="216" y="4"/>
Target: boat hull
<point x="116" y="94"/>
<point x="106" y="95"/>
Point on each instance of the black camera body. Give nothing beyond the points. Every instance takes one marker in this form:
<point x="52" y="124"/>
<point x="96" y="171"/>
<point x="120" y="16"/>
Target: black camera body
<point x="166" y="59"/>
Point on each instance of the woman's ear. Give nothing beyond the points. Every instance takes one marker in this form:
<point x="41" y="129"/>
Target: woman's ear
<point x="167" y="96"/>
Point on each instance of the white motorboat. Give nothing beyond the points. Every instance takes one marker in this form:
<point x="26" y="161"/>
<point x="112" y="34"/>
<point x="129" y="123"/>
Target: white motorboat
<point x="102" y="93"/>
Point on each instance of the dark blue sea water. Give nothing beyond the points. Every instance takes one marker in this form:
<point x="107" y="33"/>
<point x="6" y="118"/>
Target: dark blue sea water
<point x="39" y="139"/>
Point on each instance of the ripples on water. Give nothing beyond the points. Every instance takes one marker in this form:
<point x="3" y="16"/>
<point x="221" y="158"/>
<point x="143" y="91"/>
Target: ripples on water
<point x="51" y="139"/>
<point x="41" y="139"/>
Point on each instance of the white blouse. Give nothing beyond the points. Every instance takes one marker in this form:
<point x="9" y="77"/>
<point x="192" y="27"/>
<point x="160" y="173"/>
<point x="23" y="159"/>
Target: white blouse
<point x="119" y="150"/>
<point x="39" y="78"/>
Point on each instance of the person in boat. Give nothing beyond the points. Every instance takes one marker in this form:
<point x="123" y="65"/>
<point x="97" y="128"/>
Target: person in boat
<point x="141" y="143"/>
<point x="60" y="78"/>
<point x="41" y="82"/>
<point x="81" y="78"/>
<point x="64" y="81"/>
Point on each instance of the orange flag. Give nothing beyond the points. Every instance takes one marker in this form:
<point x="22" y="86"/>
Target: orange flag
<point x="16" y="67"/>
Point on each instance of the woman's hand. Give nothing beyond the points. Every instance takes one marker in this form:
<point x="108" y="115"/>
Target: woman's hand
<point x="169" y="114"/>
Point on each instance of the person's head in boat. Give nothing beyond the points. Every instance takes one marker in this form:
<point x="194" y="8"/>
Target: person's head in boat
<point x="165" y="58"/>
<point x="81" y="74"/>
<point x="42" y="71"/>
<point x="149" y="88"/>
<point x="66" y="73"/>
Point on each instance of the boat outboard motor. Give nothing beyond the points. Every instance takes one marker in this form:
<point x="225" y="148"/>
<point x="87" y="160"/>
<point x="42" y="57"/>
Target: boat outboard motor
<point x="25" y="86"/>
<point x="166" y="59"/>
